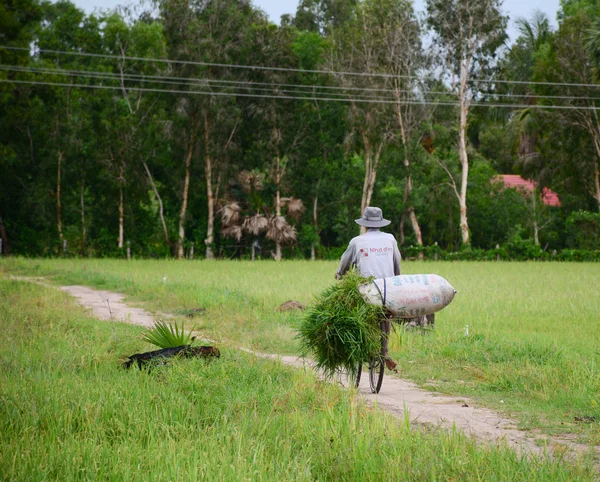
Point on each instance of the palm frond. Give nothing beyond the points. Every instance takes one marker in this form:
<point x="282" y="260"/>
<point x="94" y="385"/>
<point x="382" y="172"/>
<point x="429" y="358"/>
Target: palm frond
<point x="167" y="335"/>
<point x="255" y="224"/>
<point x="230" y="214"/>
<point x="280" y="231"/>
<point x="234" y="231"/>
<point x="295" y="208"/>
<point x="251" y="180"/>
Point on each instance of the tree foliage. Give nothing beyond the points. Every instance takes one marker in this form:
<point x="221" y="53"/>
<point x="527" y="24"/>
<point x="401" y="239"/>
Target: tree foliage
<point x="106" y="151"/>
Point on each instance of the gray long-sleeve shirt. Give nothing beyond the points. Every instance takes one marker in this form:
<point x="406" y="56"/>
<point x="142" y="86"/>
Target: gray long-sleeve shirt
<point x="374" y="253"/>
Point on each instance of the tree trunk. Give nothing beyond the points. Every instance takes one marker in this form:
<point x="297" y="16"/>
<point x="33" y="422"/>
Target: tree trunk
<point x="278" y="204"/>
<point x="368" y="167"/>
<point x="315" y="222"/>
<point x="371" y="163"/>
<point x="185" y="193"/>
<point x="401" y="232"/>
<point x="4" y="238"/>
<point x="160" y="208"/>
<point x="374" y="163"/>
<point x="82" y="202"/>
<point x="597" y="184"/>
<point x="210" y="228"/>
<point x="58" y="195"/>
<point x="596" y="193"/>
<point x="415" y="225"/>
<point x="121" y="206"/>
<point x="408" y="186"/>
<point x="536" y="229"/>
<point x="462" y="149"/>
<point x="406" y="200"/>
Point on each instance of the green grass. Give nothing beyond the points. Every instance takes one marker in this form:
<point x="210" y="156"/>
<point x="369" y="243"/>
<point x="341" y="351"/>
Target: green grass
<point x="68" y="412"/>
<point x="532" y="350"/>
<point x="340" y="330"/>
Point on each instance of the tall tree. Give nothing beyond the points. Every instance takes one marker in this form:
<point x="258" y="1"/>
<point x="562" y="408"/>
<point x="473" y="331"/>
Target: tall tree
<point x="356" y="48"/>
<point x="18" y="22"/>
<point x="213" y="32"/>
<point x="69" y="110"/>
<point x="469" y="32"/>
<point x="568" y="72"/>
<point x="282" y="129"/>
<point x="126" y="118"/>
<point x="393" y="22"/>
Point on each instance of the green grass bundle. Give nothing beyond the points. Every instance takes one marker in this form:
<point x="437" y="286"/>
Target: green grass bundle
<point x="341" y="330"/>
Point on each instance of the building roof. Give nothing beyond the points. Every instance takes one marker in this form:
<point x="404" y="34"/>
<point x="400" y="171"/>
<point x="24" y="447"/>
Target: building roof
<point x="549" y="197"/>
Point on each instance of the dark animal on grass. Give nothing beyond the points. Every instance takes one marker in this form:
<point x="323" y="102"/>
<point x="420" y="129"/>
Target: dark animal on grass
<point x="183" y="351"/>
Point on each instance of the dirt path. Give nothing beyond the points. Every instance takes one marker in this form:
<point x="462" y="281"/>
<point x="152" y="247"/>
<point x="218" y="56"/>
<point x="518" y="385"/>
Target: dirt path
<point x="397" y="397"/>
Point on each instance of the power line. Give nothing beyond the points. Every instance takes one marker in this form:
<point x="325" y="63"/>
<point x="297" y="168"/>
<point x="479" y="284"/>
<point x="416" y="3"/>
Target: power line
<point x="204" y="92"/>
<point x="145" y="76"/>
<point x="251" y="85"/>
<point x="285" y="69"/>
<point x="291" y="97"/>
<point x="142" y="77"/>
<point x="207" y="83"/>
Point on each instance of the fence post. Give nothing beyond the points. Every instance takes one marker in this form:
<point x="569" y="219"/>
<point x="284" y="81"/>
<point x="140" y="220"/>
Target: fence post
<point x="435" y="253"/>
<point x="192" y="252"/>
<point x="497" y="252"/>
<point x="0" y="246"/>
<point x="128" y="250"/>
<point x="64" y="247"/>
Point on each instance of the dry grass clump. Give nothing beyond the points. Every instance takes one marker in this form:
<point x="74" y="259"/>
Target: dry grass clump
<point x="341" y="330"/>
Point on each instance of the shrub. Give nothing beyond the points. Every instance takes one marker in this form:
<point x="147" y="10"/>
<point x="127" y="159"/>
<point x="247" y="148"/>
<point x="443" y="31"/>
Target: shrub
<point x="583" y="230"/>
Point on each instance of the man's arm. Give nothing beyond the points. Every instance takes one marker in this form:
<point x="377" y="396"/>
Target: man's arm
<point x="397" y="258"/>
<point x="346" y="262"/>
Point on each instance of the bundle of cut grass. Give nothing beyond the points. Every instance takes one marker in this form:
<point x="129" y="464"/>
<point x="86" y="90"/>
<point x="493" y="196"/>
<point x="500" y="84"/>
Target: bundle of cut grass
<point x="341" y="330"/>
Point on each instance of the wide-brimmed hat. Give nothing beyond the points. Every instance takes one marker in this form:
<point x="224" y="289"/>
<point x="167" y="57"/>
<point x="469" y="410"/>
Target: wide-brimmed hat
<point x="372" y="218"/>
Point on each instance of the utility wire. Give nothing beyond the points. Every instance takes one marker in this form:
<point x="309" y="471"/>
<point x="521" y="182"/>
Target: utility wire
<point x="190" y="82"/>
<point x="291" y="97"/>
<point x="250" y="85"/>
<point x="284" y="69"/>
<point x="205" y="80"/>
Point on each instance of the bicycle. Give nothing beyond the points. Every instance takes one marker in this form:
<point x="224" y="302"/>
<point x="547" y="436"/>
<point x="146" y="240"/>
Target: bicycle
<point x="376" y="370"/>
<point x="377" y="363"/>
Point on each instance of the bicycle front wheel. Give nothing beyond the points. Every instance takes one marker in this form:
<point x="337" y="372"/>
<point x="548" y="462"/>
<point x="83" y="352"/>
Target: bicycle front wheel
<point x="376" y="369"/>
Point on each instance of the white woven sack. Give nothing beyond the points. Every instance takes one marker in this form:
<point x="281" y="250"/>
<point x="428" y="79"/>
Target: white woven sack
<point x="409" y="296"/>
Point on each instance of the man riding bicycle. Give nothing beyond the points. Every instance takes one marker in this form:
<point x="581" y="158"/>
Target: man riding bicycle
<point x="376" y="254"/>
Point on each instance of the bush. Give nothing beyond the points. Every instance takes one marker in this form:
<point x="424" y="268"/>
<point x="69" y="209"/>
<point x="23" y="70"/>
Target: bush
<point x="330" y="252"/>
<point x="515" y="250"/>
<point x="578" y="255"/>
<point x="583" y="230"/>
<point x="519" y="249"/>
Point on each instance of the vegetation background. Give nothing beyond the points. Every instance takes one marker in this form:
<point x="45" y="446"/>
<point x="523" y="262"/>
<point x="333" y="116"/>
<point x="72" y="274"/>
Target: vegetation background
<point x="68" y="412"/>
<point x="112" y="150"/>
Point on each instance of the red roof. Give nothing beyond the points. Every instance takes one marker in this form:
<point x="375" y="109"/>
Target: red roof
<point x="549" y="197"/>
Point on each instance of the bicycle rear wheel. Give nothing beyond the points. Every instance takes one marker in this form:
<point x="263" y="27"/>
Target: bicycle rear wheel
<point x="376" y="370"/>
<point x="358" y="373"/>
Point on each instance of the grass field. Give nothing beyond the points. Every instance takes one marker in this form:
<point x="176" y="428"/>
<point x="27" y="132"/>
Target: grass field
<point x="532" y="349"/>
<point x="68" y="412"/>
